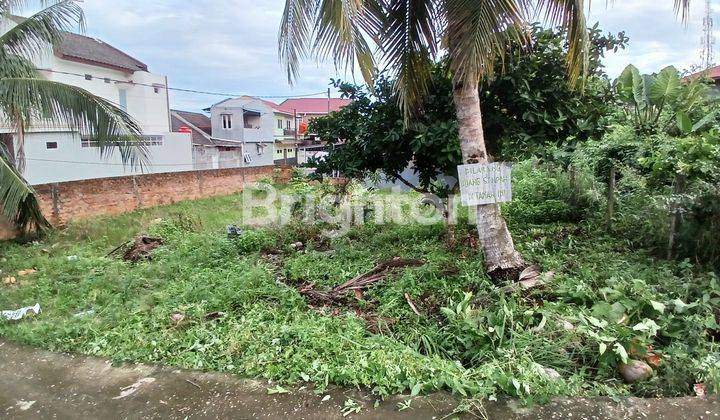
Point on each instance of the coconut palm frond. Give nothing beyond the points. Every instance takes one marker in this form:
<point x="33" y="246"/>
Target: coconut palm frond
<point x="17" y="198"/>
<point x="12" y="65"/>
<point x="32" y="36"/>
<point x="63" y="105"/>
<point x="295" y="35"/>
<point x="570" y="16"/>
<point x="410" y="44"/>
<point x="479" y="33"/>
<point x="329" y="28"/>
<point x="341" y="27"/>
<point x="682" y="8"/>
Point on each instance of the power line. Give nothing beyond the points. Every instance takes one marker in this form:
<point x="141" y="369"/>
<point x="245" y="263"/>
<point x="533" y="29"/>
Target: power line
<point x="161" y="86"/>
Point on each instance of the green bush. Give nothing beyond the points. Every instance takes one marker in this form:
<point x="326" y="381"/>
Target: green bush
<point x="251" y="241"/>
<point x="547" y="194"/>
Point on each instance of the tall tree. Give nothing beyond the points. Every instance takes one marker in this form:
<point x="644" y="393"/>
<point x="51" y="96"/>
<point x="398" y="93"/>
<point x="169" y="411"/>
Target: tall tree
<point x="27" y="98"/>
<point x="408" y="35"/>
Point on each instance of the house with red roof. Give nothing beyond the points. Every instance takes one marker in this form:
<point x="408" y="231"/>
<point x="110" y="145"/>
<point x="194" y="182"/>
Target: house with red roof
<point x="270" y="132"/>
<point x="307" y="108"/>
<point x="712" y="73"/>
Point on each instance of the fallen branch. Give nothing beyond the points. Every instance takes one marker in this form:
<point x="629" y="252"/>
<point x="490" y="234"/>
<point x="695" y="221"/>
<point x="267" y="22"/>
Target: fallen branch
<point x="359" y="283"/>
<point x="118" y="248"/>
<point x="412" y="305"/>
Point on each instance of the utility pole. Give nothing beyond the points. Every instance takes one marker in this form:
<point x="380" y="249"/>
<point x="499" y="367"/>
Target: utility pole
<point x="297" y="147"/>
<point x="707" y="54"/>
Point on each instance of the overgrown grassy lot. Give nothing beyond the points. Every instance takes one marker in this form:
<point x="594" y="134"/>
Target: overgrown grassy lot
<point x="208" y="302"/>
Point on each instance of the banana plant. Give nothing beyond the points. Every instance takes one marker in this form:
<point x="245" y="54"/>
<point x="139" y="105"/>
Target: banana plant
<point x="664" y="101"/>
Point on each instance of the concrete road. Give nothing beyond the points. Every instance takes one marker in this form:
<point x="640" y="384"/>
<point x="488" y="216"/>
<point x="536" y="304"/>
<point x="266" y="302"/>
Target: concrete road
<point x="40" y="384"/>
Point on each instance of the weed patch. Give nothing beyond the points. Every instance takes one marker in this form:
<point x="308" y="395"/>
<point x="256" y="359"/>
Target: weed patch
<point x="206" y="301"/>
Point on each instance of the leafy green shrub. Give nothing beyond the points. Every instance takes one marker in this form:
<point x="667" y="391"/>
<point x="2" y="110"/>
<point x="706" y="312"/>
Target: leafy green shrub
<point x="546" y="194"/>
<point x="251" y="241"/>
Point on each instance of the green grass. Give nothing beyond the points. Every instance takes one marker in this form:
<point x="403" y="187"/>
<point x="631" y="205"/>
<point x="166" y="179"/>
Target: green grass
<point x="471" y="337"/>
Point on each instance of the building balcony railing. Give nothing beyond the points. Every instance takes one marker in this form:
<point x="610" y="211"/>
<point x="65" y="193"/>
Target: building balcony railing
<point x="288" y="132"/>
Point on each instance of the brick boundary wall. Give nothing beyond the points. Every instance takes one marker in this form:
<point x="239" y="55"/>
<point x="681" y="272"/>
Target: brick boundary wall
<point x="65" y="201"/>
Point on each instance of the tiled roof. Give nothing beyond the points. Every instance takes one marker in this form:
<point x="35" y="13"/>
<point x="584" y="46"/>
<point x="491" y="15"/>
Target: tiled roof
<point x="313" y="105"/>
<point x="84" y="49"/>
<point x="197" y="119"/>
<point x="274" y="106"/>
<point x="81" y="48"/>
<point x="199" y="135"/>
<point x="712" y="72"/>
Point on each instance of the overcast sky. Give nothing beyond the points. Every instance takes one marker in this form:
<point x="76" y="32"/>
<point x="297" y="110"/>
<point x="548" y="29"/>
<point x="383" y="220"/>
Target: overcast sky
<point x="231" y="46"/>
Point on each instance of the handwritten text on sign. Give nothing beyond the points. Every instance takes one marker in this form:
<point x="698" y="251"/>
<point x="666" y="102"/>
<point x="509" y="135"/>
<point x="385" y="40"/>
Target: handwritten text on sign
<point x="485" y="183"/>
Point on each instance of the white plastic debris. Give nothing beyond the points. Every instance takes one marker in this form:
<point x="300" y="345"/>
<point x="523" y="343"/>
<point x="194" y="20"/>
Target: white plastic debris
<point x="20" y="313"/>
<point x="85" y="313"/>
<point x="129" y="390"/>
<point x="72" y="258"/>
<point x="24" y="405"/>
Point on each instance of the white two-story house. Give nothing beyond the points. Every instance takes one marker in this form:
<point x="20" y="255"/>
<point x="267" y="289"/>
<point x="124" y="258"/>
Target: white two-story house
<point x="57" y="153"/>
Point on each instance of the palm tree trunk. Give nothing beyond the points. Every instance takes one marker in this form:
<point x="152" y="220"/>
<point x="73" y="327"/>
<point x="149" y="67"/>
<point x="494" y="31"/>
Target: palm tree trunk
<point x="501" y="258"/>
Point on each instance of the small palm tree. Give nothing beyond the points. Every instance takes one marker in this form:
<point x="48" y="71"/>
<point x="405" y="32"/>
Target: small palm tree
<point x="26" y="97"/>
<point x="408" y="36"/>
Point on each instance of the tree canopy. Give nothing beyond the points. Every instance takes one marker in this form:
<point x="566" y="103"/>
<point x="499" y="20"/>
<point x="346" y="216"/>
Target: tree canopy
<point x="527" y="106"/>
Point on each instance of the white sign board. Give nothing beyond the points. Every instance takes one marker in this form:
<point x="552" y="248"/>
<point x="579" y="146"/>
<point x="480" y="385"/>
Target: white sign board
<point x="485" y="183"/>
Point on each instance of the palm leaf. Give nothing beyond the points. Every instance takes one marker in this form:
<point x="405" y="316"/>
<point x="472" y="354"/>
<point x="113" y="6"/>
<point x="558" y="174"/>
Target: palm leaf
<point x="341" y="26"/>
<point x="68" y="106"/>
<point x="570" y="16"/>
<point x="682" y="7"/>
<point x="295" y="34"/>
<point x="32" y="36"/>
<point x="12" y="65"/>
<point x="409" y="44"/>
<point x="329" y="28"/>
<point x="17" y="198"/>
<point x="478" y="32"/>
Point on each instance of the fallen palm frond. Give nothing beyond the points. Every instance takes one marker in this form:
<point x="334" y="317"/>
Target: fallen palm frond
<point x="140" y="249"/>
<point x="356" y="284"/>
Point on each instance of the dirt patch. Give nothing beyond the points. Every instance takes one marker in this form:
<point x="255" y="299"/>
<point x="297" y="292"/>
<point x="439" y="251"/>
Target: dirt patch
<point x="140" y="249"/>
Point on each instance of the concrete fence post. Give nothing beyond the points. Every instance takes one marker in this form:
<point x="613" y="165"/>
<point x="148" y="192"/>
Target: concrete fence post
<point x="136" y="193"/>
<point x="55" y="196"/>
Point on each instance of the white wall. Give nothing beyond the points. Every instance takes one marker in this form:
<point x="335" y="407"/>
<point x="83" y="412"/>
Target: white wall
<point x="148" y="108"/>
<point x="72" y="162"/>
<point x="234" y="107"/>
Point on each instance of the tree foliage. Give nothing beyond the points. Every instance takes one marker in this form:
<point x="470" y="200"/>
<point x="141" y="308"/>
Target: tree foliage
<point x="527" y="106"/>
<point x="664" y="101"/>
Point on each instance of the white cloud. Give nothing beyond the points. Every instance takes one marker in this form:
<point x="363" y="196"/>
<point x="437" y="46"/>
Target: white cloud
<point x="658" y="37"/>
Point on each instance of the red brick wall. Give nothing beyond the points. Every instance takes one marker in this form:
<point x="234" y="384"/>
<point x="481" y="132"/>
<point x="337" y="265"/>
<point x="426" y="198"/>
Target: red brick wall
<point x="65" y="201"/>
